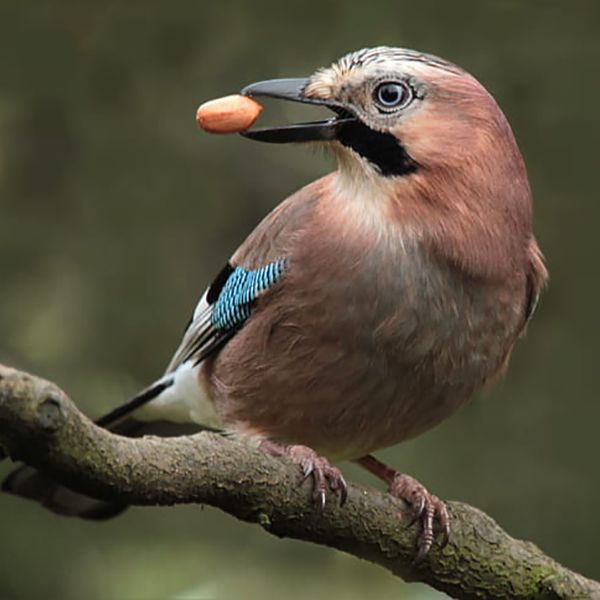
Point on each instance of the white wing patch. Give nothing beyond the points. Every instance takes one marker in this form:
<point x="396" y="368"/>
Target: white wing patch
<point x="199" y="332"/>
<point x="221" y="311"/>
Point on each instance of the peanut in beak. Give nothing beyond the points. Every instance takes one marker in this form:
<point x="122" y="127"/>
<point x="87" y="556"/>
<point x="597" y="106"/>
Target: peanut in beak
<point x="230" y="114"/>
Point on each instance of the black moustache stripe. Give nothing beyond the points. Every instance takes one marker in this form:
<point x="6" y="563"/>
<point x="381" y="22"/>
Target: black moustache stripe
<point x="383" y="150"/>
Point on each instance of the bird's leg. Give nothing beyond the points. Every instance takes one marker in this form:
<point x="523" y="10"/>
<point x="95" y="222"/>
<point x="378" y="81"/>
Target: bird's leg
<point x="427" y="507"/>
<point x="323" y="474"/>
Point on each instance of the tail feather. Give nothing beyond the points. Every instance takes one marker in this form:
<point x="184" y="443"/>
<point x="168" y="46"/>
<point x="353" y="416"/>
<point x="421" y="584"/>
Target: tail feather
<point x="121" y="412"/>
<point x="29" y="483"/>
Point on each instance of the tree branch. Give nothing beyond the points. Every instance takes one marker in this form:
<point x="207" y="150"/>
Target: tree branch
<point x="40" y="426"/>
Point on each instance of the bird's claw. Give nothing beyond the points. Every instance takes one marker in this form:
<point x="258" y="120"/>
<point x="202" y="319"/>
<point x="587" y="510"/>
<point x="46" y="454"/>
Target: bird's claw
<point x="325" y="477"/>
<point x="428" y="509"/>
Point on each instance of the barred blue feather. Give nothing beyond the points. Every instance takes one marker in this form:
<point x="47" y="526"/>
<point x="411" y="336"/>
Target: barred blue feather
<point x="242" y="287"/>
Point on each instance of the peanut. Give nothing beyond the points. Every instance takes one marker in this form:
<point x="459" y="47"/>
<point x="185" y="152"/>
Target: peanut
<point x="230" y="114"/>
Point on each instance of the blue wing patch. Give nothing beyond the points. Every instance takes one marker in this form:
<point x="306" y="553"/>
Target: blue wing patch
<point x="234" y="304"/>
<point x="223" y="309"/>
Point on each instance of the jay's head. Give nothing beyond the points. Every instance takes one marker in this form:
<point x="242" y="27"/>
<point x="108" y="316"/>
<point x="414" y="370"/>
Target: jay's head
<point x="399" y="113"/>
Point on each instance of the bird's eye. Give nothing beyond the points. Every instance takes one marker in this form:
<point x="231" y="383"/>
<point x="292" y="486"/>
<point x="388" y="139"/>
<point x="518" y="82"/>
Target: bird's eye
<point x="392" y="95"/>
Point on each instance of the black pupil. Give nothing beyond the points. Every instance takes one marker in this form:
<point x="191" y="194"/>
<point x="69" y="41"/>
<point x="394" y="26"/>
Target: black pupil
<point x="390" y="94"/>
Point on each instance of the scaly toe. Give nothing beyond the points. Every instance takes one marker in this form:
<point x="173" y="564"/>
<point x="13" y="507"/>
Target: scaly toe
<point x="325" y="477"/>
<point x="428" y="509"/>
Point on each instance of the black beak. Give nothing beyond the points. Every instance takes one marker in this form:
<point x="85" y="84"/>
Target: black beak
<point x="292" y="89"/>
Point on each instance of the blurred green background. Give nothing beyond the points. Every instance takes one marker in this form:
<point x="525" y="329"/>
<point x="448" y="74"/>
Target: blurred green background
<point x="116" y="211"/>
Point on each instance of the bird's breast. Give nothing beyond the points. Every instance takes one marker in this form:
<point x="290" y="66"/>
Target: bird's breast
<point x="367" y="341"/>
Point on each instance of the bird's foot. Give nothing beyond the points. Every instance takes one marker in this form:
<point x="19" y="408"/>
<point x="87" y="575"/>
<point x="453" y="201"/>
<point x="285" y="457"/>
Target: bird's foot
<point x="325" y="477"/>
<point x="428" y="509"/>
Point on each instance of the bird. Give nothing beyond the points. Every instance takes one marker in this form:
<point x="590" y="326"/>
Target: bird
<point x="368" y="306"/>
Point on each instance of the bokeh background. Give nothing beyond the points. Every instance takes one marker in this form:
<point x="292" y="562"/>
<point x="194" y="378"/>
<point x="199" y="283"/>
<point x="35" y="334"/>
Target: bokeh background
<point x="116" y="211"/>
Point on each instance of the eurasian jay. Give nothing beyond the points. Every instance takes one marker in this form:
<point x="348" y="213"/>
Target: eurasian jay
<point x="371" y="304"/>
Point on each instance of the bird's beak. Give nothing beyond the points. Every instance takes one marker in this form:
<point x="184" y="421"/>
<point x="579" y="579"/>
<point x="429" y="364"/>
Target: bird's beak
<point x="293" y="89"/>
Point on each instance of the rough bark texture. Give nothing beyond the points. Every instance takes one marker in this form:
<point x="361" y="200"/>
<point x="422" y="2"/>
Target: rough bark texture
<point x="40" y="426"/>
